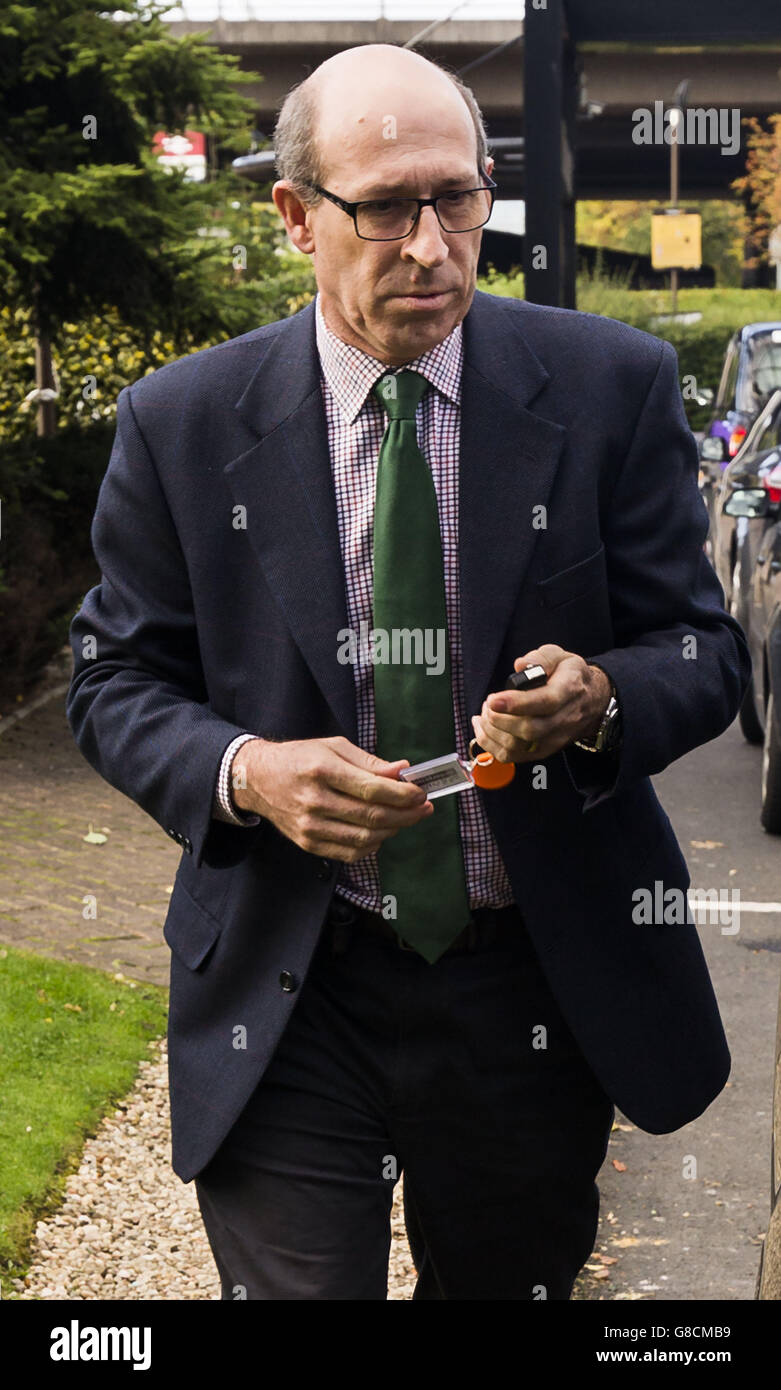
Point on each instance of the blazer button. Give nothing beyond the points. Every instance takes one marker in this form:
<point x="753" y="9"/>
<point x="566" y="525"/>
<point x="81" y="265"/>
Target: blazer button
<point x="288" y="982"/>
<point x="325" y="869"/>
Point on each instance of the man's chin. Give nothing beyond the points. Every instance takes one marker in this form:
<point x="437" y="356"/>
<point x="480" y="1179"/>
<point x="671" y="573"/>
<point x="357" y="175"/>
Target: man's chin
<point x="417" y="329"/>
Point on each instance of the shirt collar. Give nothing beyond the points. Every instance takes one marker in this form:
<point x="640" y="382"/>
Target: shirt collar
<point x="351" y="373"/>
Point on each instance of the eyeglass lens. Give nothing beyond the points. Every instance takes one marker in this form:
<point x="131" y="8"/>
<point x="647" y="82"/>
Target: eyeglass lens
<point x="394" y="217"/>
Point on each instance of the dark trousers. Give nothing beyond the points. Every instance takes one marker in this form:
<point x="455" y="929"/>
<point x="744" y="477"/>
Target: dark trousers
<point x="462" y="1075"/>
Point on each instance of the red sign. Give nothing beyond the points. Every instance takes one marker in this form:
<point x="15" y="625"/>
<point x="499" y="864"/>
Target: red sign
<point x="185" y="151"/>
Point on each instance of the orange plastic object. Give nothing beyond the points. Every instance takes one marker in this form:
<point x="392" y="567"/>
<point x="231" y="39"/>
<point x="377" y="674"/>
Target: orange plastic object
<point x="490" y="774"/>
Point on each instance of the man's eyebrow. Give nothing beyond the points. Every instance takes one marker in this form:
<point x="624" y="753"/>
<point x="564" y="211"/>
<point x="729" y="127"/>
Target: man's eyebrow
<point x="460" y="181"/>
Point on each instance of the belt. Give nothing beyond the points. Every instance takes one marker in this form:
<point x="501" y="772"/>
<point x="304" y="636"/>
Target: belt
<point x="485" y="926"/>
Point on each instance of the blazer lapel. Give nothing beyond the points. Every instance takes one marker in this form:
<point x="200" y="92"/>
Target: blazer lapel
<point x="285" y="483"/>
<point x="508" y="460"/>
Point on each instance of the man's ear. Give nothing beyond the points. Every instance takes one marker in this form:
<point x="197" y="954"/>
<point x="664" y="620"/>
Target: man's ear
<point x="293" y="213"/>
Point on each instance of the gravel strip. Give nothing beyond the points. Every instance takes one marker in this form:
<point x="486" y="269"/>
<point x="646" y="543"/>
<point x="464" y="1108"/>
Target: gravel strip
<point x="129" y="1228"/>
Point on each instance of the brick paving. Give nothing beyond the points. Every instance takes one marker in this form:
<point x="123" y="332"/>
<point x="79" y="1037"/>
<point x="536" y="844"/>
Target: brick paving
<point x="49" y="796"/>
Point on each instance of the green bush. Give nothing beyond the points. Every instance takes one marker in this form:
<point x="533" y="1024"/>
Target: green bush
<point x="96" y="359"/>
<point x="48" y="488"/>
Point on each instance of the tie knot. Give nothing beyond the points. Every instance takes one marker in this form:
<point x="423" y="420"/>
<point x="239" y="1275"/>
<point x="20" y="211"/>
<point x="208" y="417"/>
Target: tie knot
<point x="399" y="393"/>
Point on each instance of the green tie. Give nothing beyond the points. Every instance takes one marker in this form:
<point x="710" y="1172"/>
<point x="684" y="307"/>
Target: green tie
<point x="421" y="865"/>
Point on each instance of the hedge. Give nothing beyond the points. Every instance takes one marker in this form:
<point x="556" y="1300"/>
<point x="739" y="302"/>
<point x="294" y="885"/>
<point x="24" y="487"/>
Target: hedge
<point x="49" y="488"/>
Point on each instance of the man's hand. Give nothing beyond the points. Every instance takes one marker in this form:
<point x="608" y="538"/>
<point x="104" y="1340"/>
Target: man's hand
<point x="569" y="706"/>
<point x="326" y="795"/>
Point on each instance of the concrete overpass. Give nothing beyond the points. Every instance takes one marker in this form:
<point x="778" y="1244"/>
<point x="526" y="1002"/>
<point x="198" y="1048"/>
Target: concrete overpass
<point x="615" y="77"/>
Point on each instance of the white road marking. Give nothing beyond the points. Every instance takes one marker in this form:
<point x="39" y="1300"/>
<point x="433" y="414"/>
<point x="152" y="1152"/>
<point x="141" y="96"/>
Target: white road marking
<point x="740" y="905"/>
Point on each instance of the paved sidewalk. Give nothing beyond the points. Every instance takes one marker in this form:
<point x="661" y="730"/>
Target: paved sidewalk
<point x="49" y="796"/>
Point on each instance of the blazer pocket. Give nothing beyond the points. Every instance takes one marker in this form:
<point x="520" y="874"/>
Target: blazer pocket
<point x="574" y="581"/>
<point x="189" y="929"/>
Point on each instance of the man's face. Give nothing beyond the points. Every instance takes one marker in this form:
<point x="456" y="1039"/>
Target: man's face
<point x="394" y="299"/>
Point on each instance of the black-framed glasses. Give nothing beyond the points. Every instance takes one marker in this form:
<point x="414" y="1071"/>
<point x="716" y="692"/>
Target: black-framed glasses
<point x="392" y="219"/>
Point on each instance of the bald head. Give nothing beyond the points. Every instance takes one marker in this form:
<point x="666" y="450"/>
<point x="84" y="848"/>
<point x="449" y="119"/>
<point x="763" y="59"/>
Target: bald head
<point x="378" y="95"/>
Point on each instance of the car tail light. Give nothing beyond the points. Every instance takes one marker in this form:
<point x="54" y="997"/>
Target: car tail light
<point x="772" y="483"/>
<point x="736" y="439"/>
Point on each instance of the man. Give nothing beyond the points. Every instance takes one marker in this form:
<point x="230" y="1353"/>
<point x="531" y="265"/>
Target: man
<point x="365" y="982"/>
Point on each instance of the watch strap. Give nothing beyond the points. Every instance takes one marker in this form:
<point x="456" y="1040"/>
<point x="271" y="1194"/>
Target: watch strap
<point x="607" y="736"/>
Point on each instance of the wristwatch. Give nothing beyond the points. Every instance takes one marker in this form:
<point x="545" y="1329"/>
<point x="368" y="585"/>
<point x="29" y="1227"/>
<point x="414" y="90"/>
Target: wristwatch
<point x="608" y="735"/>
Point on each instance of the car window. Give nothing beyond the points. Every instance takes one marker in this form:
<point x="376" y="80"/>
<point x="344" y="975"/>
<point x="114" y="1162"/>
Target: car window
<point x="763" y="371"/>
<point x="770" y="438"/>
<point x="725" y="399"/>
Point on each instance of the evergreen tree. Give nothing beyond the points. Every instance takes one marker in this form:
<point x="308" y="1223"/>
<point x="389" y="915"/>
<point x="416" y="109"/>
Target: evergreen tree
<point x="89" y="220"/>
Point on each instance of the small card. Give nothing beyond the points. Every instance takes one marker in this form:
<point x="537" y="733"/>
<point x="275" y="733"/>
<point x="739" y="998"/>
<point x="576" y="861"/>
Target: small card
<point x="439" y="776"/>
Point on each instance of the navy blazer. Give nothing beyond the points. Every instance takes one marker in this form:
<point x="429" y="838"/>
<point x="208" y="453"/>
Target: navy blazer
<point x="210" y="619"/>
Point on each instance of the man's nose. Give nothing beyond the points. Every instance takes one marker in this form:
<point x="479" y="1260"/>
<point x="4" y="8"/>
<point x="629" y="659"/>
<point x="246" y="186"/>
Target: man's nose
<point x="426" y="244"/>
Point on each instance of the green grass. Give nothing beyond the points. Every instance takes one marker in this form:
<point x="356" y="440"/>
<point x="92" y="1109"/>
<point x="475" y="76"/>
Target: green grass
<point x="71" y="1039"/>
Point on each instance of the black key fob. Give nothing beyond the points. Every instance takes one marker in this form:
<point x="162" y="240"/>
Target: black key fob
<point x="527" y="679"/>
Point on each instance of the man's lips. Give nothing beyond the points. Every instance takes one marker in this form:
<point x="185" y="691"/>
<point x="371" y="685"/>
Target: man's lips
<point x="424" y="294"/>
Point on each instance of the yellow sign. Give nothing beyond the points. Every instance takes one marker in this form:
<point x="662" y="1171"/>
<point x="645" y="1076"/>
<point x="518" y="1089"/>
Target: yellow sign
<point x="676" y="240"/>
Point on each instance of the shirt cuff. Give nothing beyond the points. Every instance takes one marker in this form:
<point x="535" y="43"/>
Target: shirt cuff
<point x="223" y="807"/>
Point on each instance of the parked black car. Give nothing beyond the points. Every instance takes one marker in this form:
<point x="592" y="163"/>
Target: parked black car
<point x="751" y="372"/>
<point x="751" y="500"/>
<point x="730" y="557"/>
<point x="747" y="553"/>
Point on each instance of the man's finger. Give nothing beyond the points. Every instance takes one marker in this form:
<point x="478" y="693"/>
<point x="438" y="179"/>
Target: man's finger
<point x="500" y="733"/>
<point x="369" y="778"/>
<point x="548" y="656"/>
<point x="539" y="703"/>
<point x="544" y="700"/>
<point x="557" y="708"/>
<point x="341" y="809"/>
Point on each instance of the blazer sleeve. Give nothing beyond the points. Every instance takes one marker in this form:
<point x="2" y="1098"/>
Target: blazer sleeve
<point x="137" y="703"/>
<point x="680" y="663"/>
